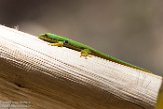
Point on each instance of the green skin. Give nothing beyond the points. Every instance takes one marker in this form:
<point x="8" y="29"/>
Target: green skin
<point x="84" y="49"/>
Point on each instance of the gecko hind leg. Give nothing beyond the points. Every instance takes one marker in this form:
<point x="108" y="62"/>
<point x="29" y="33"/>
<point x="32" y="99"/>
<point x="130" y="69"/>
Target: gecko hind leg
<point x="58" y="44"/>
<point x="85" y="53"/>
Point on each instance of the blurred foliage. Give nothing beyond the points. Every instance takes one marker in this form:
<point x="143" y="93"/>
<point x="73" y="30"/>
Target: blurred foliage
<point x="160" y="99"/>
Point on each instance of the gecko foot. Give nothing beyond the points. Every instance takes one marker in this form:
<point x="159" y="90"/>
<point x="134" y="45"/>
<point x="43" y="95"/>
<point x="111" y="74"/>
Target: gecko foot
<point x="85" y="53"/>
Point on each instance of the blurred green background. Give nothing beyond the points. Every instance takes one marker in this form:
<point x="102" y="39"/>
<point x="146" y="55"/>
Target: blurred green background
<point x="127" y="29"/>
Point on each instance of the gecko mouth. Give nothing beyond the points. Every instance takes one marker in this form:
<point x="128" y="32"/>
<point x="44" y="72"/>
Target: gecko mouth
<point x="46" y="38"/>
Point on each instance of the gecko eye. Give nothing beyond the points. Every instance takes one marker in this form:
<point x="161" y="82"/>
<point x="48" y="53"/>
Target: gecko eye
<point x="45" y="35"/>
<point x="66" y="41"/>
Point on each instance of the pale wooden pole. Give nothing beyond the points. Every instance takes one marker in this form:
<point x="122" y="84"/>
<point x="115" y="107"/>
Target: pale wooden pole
<point x="58" y="78"/>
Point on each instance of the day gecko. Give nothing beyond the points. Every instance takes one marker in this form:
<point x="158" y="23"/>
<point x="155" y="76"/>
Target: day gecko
<point x="85" y="50"/>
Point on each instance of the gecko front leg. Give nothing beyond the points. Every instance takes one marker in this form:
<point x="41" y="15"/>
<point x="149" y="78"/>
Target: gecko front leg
<point x="58" y="44"/>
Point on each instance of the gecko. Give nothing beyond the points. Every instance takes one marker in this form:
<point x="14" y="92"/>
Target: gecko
<point x="60" y="41"/>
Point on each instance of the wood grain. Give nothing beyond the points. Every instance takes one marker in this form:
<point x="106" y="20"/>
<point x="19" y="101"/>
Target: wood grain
<point x="58" y="78"/>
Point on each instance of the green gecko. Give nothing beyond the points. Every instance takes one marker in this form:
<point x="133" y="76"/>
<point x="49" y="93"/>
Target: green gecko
<point x="85" y="50"/>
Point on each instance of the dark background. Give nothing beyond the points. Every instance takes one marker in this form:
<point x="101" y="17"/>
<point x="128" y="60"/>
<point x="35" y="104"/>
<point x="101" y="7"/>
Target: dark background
<point x="127" y="29"/>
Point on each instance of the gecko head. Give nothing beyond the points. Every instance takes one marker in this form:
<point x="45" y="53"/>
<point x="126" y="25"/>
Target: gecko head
<point x="47" y="37"/>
